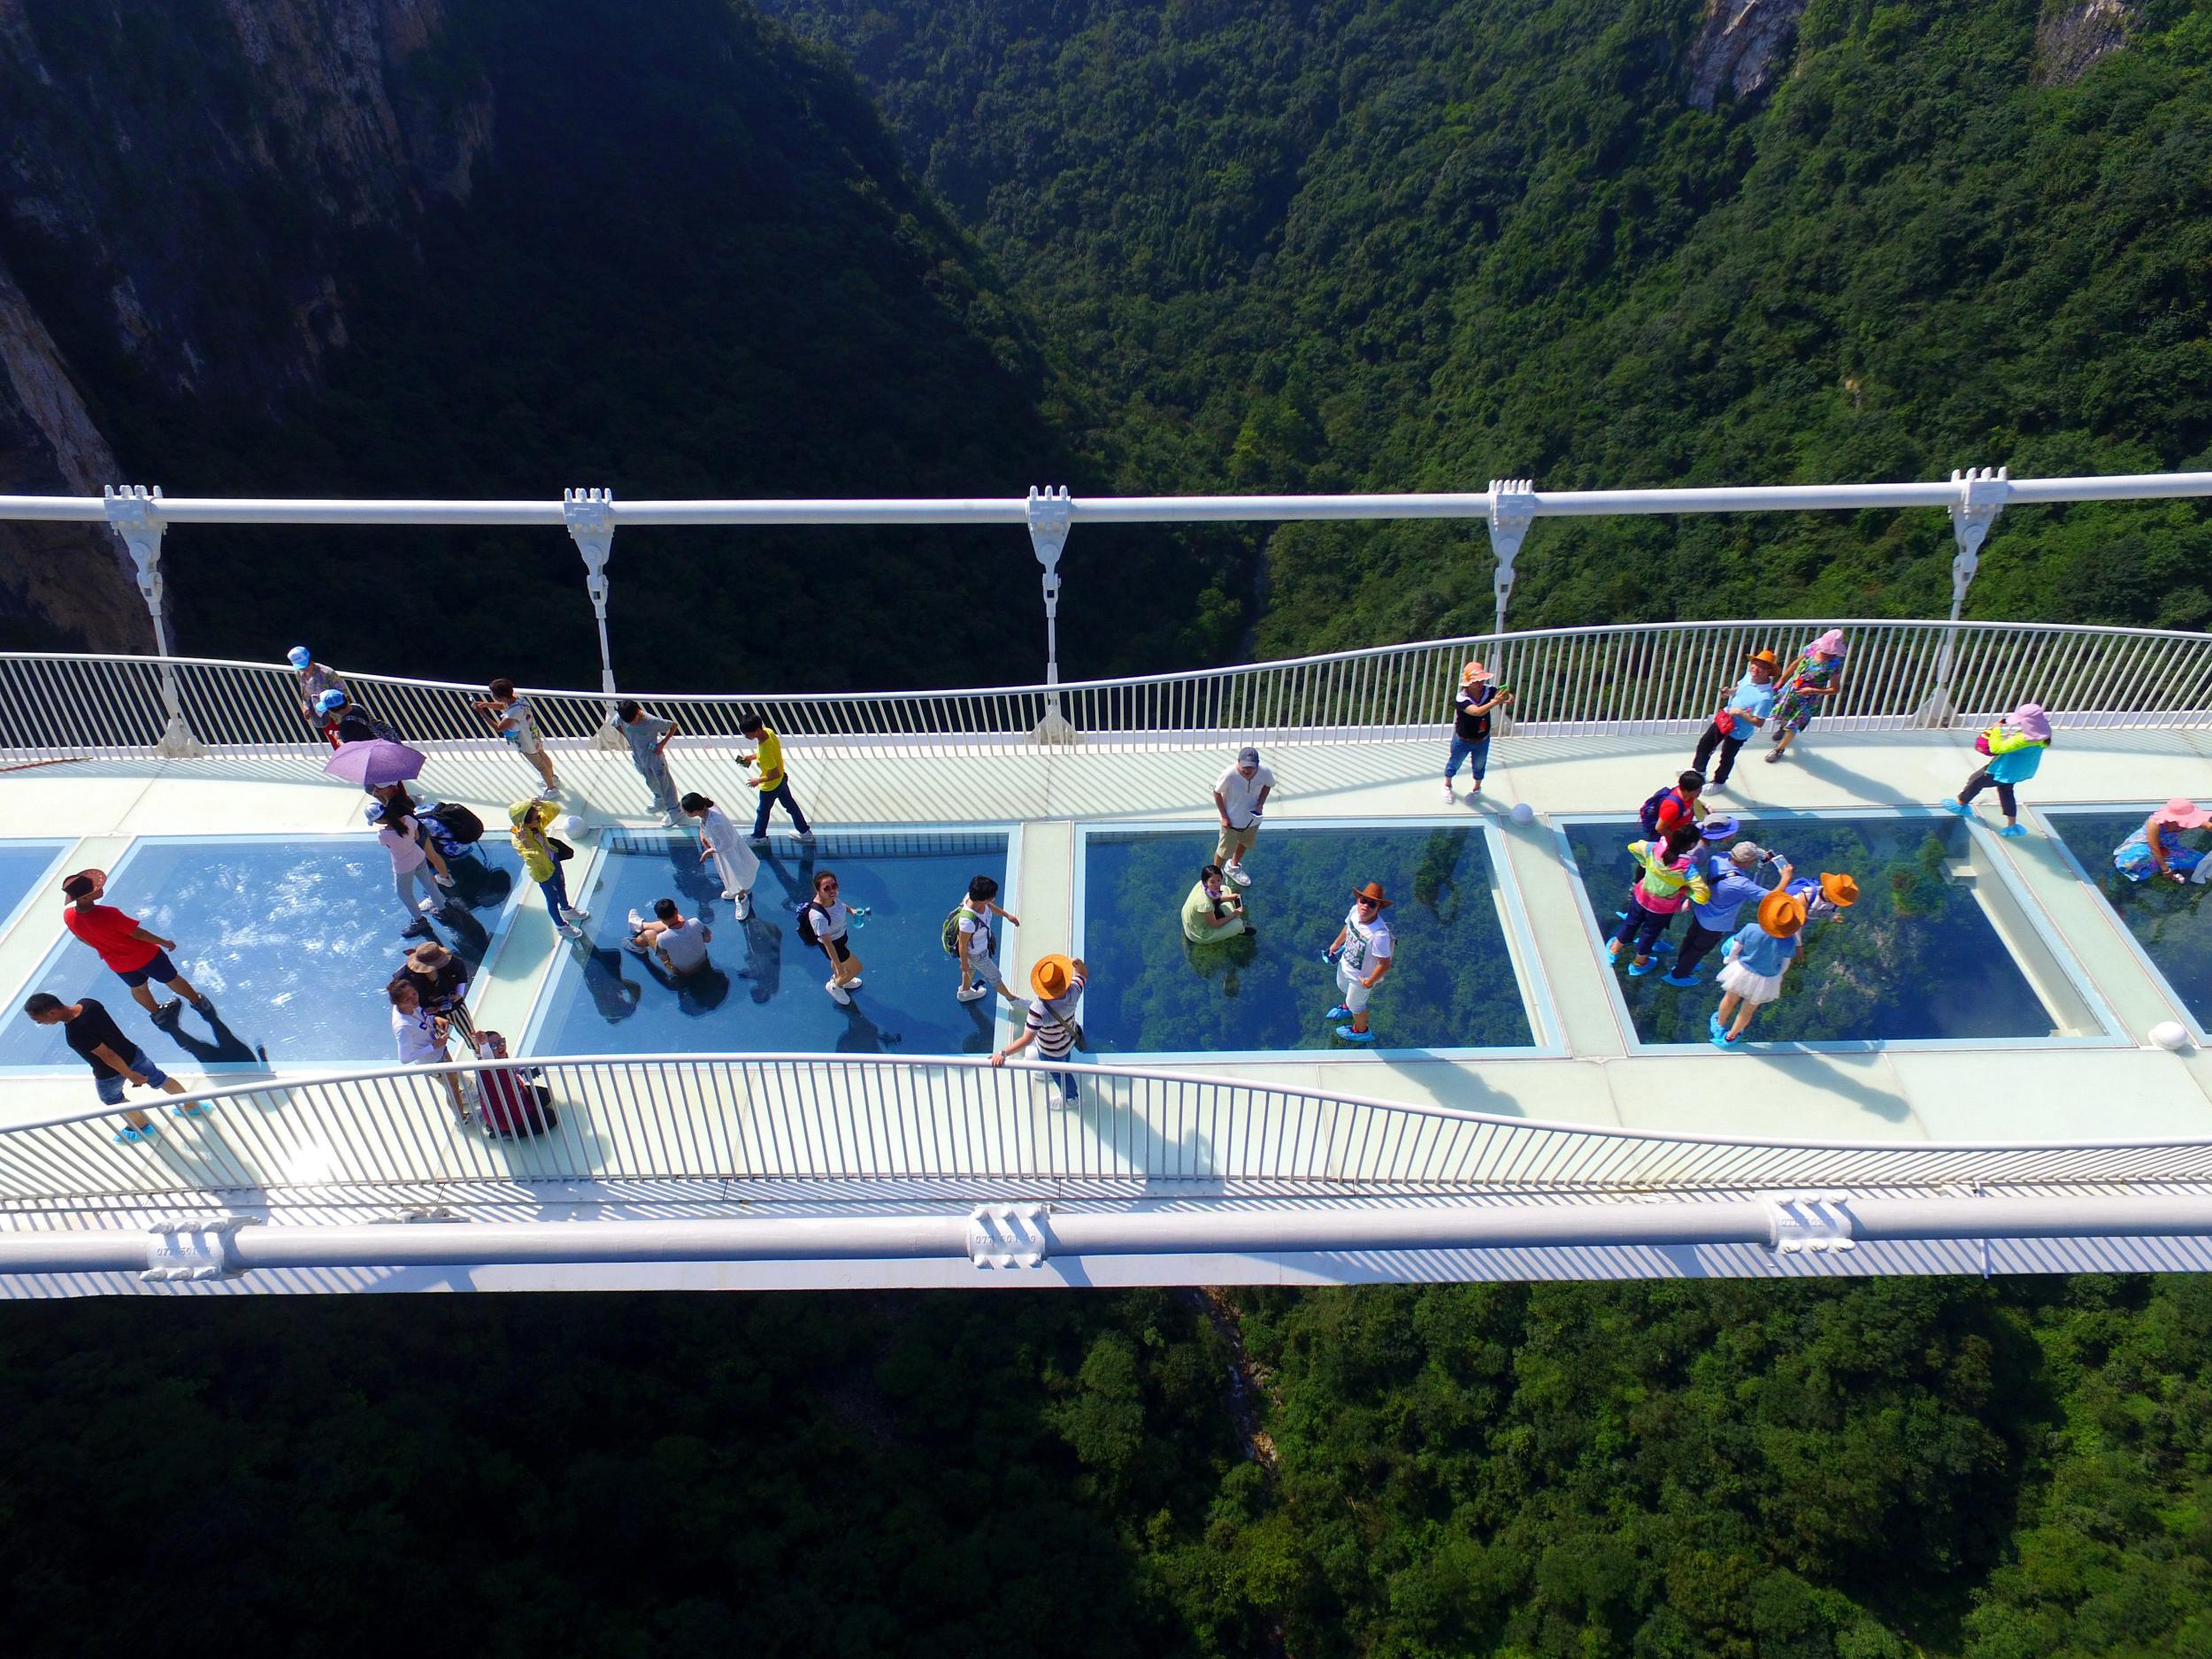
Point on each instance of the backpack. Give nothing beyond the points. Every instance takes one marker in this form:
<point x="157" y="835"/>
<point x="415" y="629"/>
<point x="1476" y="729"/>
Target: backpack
<point x="805" y="926"/>
<point x="1648" y="814"/>
<point x="458" y="823"/>
<point x="948" y="936"/>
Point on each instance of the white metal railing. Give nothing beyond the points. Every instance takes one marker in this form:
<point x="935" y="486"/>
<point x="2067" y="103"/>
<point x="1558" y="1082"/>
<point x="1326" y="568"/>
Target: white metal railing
<point x="1649" y="677"/>
<point x="848" y="1124"/>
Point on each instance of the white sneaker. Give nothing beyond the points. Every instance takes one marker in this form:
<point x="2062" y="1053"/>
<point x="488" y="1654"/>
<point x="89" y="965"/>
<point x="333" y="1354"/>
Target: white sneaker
<point x="571" y="930"/>
<point x="1448" y="795"/>
<point x="444" y="881"/>
<point x="852" y="982"/>
<point x="807" y="835"/>
<point x="728" y="893"/>
<point x="744" y="907"/>
<point x="637" y="923"/>
<point x="429" y="907"/>
<point x="973" y="994"/>
<point x="838" y="994"/>
<point x="575" y="915"/>
<point x="1236" y="872"/>
<point x="669" y="820"/>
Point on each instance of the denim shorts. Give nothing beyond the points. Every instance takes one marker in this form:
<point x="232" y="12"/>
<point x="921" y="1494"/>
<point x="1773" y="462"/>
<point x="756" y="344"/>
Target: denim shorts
<point x="160" y="968"/>
<point x="112" y="1087"/>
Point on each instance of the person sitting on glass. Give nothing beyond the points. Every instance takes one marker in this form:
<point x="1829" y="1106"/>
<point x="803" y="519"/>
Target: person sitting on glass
<point x="1361" y="953"/>
<point x="2015" y="746"/>
<point x="2155" y="848"/>
<point x="680" y="944"/>
<point x="1211" y="913"/>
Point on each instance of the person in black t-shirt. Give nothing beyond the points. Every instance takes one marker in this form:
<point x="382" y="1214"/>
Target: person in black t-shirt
<point x="91" y="1031"/>
<point x="1471" y="709"/>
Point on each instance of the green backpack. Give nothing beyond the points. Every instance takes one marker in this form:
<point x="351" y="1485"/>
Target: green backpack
<point x="949" y="936"/>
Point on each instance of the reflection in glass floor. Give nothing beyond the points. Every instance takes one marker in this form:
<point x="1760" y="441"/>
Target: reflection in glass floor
<point x="1452" y="984"/>
<point x="2171" y="922"/>
<point x="762" y="992"/>
<point x="1918" y="959"/>
<point x="295" y="937"/>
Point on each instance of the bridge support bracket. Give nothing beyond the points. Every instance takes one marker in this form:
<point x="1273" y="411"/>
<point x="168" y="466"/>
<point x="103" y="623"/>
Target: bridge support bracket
<point x="1804" y="1223"/>
<point x="1008" y="1235"/>
<point x="1049" y="513"/>
<point x="1983" y="492"/>
<point x="589" y="516"/>
<point x="192" y="1247"/>
<point x="131" y="513"/>
<point x="1512" y="509"/>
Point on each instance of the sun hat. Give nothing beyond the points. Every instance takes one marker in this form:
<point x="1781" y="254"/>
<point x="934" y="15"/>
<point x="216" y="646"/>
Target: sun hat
<point x="1473" y="672"/>
<point x="299" y="657"/>
<point x="1051" y="976"/>
<point x="1763" y="656"/>
<point x="1829" y="644"/>
<point x="1248" y="755"/>
<point x="2183" y="813"/>
<point x="1373" y="890"/>
<point x="1838" y="890"/>
<point x="2029" y="718"/>
<point x="1782" y="914"/>
<point x="83" y="883"/>
<point x="1718" y="827"/>
<point x="1747" y="853"/>
<point x="331" y="699"/>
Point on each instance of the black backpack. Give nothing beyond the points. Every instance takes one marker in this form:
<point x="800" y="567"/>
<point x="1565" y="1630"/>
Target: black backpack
<point x="805" y="924"/>
<point x="1648" y="814"/>
<point x="458" y="822"/>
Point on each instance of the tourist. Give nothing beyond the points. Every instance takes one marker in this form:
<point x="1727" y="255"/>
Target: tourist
<point x="509" y="715"/>
<point x="1670" y="880"/>
<point x="1471" y="709"/>
<point x="2015" y="746"/>
<point x="541" y="857"/>
<point x="440" y="979"/>
<point x="1807" y="685"/>
<point x="132" y="952"/>
<point x="514" y="1100"/>
<point x="344" y="721"/>
<point x="732" y="859"/>
<point x="1757" y="958"/>
<point x="1239" y="799"/>
<point x="825" y="922"/>
<point x="2155" y="848"/>
<point x="1681" y="805"/>
<point x="415" y="863"/>
<point x="1747" y="709"/>
<point x="1362" y="953"/>
<point x="774" y="787"/>
<point x="1051" y="1022"/>
<point x="314" y="679"/>
<point x="1825" y="898"/>
<point x="1209" y="914"/>
<point x="91" y="1031"/>
<point x="647" y="736"/>
<point x="420" y="1037"/>
<point x="972" y="942"/>
<point x="1732" y="878"/>
<point x="680" y="943"/>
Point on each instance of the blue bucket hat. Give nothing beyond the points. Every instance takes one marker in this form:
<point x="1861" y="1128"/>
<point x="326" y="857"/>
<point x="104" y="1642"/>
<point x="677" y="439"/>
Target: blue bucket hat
<point x="330" y="700"/>
<point x="299" y="657"/>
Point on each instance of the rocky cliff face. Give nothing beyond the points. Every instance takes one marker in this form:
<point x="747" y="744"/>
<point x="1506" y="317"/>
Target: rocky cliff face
<point x="1742" y="50"/>
<point x="183" y="194"/>
<point x="2071" y="38"/>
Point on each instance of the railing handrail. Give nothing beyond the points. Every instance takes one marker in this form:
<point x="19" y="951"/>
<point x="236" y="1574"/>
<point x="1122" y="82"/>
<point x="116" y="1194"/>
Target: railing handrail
<point x="1136" y="1073"/>
<point x="1069" y="687"/>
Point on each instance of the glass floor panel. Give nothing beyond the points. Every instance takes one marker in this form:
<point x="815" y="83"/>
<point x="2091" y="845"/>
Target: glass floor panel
<point x="1452" y="984"/>
<point x="762" y="991"/>
<point x="2172" y="922"/>
<point x="1917" y="958"/>
<point x="24" y="867"/>
<point x="294" y="937"/>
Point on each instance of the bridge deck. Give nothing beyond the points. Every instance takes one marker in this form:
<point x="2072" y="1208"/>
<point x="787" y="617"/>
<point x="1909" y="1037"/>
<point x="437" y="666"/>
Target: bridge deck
<point x="2100" y="1081"/>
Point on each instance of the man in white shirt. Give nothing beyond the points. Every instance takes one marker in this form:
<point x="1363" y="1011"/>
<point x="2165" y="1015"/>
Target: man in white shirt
<point x="1238" y="800"/>
<point x="979" y="974"/>
<point x="1360" y="952"/>
<point x="679" y="943"/>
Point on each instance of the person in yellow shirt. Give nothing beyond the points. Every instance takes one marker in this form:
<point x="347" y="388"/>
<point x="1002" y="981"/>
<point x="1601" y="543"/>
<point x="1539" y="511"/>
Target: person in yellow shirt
<point x="771" y="783"/>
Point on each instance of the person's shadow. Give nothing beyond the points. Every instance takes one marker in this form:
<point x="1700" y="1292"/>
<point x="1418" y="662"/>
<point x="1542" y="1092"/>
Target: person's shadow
<point x="478" y="885"/>
<point x="615" y="996"/>
<point x="863" y="1036"/>
<point x="764" y="956"/>
<point x="700" y="992"/>
<point x="228" y="1048"/>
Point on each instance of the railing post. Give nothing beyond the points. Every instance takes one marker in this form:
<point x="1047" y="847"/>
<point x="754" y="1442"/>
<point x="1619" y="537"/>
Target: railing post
<point x="1512" y="509"/>
<point x="590" y="515"/>
<point x="131" y="515"/>
<point x="1049" y="513"/>
<point x="1983" y="492"/>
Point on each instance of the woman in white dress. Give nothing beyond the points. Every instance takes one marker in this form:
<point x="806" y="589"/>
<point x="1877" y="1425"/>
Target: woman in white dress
<point x="733" y="860"/>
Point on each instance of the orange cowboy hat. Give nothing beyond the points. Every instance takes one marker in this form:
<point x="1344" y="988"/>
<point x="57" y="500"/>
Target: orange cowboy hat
<point x="95" y="880"/>
<point x="1782" y="914"/>
<point x="1052" y="976"/>
<point x="1838" y="890"/>
<point x="1472" y="672"/>
<point x="1373" y="890"/>
<point x="1764" y="657"/>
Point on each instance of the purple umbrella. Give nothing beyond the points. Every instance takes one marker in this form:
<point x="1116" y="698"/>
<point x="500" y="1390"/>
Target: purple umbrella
<point x="374" y="763"/>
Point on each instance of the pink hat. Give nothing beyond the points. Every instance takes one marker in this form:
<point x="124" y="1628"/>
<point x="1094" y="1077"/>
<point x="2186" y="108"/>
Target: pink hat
<point x="2183" y="813"/>
<point x="1474" y="671"/>
<point x="2029" y="718"/>
<point x="1829" y="644"/>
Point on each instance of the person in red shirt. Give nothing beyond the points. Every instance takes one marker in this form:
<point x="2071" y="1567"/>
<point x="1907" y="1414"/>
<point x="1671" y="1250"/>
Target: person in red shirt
<point x="135" y="954"/>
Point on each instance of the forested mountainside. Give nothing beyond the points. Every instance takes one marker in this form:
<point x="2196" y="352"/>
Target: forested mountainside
<point x="1316" y="244"/>
<point x="1885" y="1468"/>
<point x="395" y="247"/>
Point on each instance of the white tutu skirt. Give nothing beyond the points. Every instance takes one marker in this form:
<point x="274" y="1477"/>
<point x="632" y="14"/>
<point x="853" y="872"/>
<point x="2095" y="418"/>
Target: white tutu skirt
<point x="1755" y="988"/>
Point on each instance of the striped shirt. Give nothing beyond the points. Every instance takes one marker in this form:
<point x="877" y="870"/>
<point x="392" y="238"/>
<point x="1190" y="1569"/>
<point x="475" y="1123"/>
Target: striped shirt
<point x="1055" y="1037"/>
